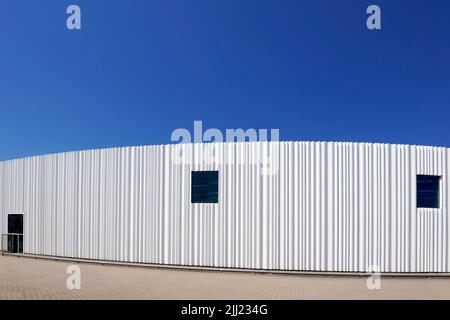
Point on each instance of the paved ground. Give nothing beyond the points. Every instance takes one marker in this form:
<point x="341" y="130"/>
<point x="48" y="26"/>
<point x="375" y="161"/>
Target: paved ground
<point x="25" y="278"/>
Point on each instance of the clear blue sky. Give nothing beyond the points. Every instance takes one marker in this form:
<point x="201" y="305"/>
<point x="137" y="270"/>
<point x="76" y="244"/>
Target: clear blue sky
<point x="139" y="69"/>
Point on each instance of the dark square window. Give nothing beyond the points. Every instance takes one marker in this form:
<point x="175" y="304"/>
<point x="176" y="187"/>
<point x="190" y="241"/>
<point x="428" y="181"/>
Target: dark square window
<point x="428" y="191"/>
<point x="205" y="187"/>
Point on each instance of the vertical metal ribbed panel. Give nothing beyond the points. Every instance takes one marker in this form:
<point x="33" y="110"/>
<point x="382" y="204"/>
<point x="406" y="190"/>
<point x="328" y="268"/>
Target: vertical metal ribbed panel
<point x="282" y="205"/>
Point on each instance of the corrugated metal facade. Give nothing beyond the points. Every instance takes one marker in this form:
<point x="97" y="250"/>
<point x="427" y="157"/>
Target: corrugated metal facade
<point x="320" y="206"/>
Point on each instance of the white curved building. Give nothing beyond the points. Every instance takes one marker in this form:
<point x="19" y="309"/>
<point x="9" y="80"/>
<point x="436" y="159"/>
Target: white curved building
<point x="309" y="206"/>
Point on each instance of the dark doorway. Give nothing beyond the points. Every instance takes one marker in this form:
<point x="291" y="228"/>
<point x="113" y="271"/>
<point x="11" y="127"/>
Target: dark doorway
<point x="15" y="233"/>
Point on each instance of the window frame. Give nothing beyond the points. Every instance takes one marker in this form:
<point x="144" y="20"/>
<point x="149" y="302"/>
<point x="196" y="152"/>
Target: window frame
<point x="211" y="182"/>
<point x="425" y="204"/>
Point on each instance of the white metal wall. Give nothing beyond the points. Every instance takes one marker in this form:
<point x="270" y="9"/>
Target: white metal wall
<point x="321" y="206"/>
